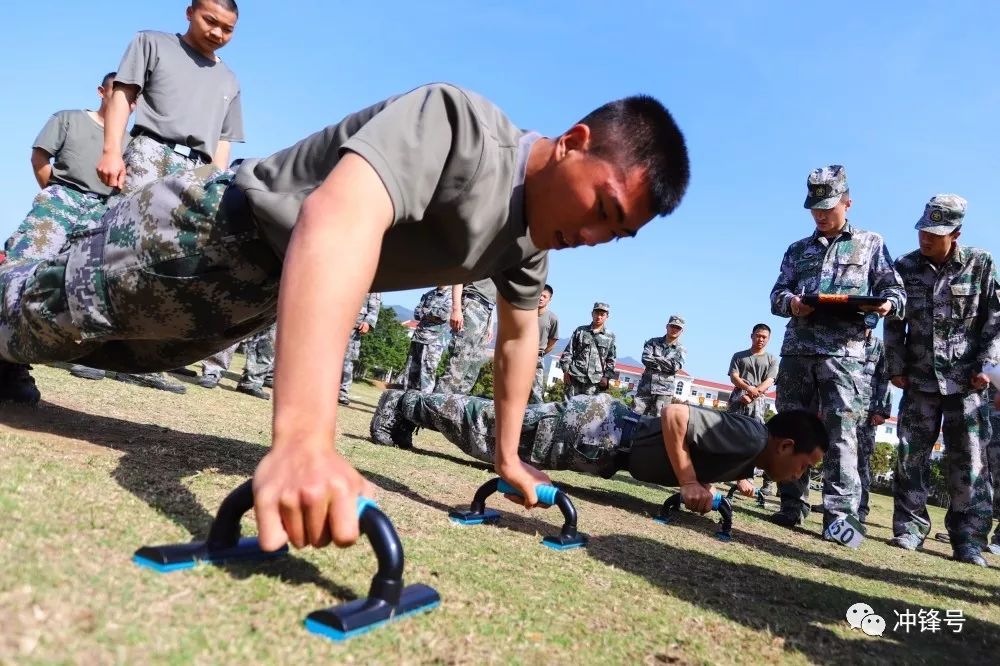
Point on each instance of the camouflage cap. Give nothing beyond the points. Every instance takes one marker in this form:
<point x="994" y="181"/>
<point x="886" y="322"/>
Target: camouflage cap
<point x="676" y="320"/>
<point x="826" y="186"/>
<point x="602" y="306"/>
<point x="943" y="214"/>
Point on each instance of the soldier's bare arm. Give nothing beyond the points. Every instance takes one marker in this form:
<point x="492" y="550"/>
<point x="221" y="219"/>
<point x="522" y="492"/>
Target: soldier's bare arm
<point x="674" y="422"/>
<point x="111" y="167"/>
<point x="457" y="320"/>
<point x="304" y="492"/>
<point x="514" y="372"/>
<point x="221" y="158"/>
<point x="41" y="166"/>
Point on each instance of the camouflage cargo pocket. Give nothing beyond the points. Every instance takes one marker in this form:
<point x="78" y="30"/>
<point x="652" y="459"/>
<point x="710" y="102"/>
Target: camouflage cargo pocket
<point x="86" y="286"/>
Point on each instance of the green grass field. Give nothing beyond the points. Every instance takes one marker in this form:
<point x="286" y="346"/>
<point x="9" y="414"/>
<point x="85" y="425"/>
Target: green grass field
<point x="100" y="468"/>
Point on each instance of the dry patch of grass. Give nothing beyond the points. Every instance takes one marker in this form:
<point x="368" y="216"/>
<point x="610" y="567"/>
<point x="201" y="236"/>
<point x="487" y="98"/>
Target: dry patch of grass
<point x="102" y="467"/>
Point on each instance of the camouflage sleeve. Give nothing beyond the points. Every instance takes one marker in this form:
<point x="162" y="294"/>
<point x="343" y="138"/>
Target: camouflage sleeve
<point x="885" y="281"/>
<point x="674" y="360"/>
<point x="609" y="361"/>
<point x="374" y="304"/>
<point x="881" y="400"/>
<point x="648" y="354"/>
<point x="895" y="347"/>
<point x="567" y="355"/>
<point x="989" y="345"/>
<point x="781" y="292"/>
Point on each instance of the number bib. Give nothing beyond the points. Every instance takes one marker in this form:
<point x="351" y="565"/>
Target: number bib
<point x="846" y="530"/>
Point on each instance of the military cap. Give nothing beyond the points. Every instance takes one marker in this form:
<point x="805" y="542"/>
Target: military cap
<point x="826" y="186"/>
<point x="943" y="214"/>
<point x="676" y="320"/>
<point x="602" y="306"/>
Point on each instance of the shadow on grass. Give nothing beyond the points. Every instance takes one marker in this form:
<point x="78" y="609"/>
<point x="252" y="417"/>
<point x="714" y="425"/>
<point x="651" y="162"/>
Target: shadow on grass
<point x="156" y="459"/>
<point x="802" y="612"/>
<point x="510" y="521"/>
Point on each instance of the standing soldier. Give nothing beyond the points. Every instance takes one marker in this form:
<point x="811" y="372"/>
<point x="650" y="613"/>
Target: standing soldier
<point x="257" y="370"/>
<point x="588" y="362"/>
<point x="62" y="159"/>
<point x="548" y="335"/>
<point x="428" y="341"/>
<point x="876" y="402"/>
<point x="993" y="462"/>
<point x="663" y="358"/>
<point x="187" y="113"/>
<point x="471" y="322"/>
<point x="823" y="353"/>
<point x="753" y="372"/>
<point x="367" y="318"/>
<point x="936" y="355"/>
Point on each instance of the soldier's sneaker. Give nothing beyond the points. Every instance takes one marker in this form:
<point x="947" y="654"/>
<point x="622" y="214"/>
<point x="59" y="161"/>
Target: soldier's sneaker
<point x="970" y="553"/>
<point x="207" y="381"/>
<point x="154" y="380"/>
<point x="906" y="541"/>
<point x="255" y="391"/>
<point x="269" y="382"/>
<point x="994" y="548"/>
<point x="84" y="372"/>
<point x="343" y="400"/>
<point x="786" y="518"/>
<point x="388" y="427"/>
<point x="766" y="490"/>
<point x="17" y="384"/>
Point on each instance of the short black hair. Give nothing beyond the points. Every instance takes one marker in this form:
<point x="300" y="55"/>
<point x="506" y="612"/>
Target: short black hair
<point x="761" y="327"/>
<point x="108" y="77"/>
<point x="638" y="131"/>
<point x="549" y="289"/>
<point x="228" y="5"/>
<point x="803" y="427"/>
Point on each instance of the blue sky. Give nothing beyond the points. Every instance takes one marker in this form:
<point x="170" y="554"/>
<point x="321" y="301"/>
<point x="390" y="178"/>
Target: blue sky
<point x="904" y="94"/>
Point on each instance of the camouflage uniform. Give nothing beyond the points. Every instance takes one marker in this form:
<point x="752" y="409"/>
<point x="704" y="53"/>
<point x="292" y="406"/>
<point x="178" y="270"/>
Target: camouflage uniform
<point x="589" y="357"/>
<point x="993" y="463"/>
<point x="663" y="360"/>
<point x="259" y="358"/>
<point x="216" y="364"/>
<point x="171" y="275"/>
<point x="822" y="356"/>
<point x="428" y="341"/>
<point x="581" y="434"/>
<point x="950" y="330"/>
<point x="54" y="213"/>
<point x="469" y="347"/>
<point x="875" y="399"/>
<point x="367" y="315"/>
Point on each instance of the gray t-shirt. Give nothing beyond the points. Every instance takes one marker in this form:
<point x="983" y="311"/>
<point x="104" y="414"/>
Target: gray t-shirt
<point x="548" y="329"/>
<point x="453" y="165"/>
<point x="723" y="447"/>
<point x="76" y="141"/>
<point x="753" y="368"/>
<point x="484" y="290"/>
<point x="184" y="97"/>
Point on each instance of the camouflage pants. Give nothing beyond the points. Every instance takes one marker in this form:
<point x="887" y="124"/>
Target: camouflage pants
<point x="964" y="421"/>
<point x="147" y="160"/>
<point x="651" y="405"/>
<point x="829" y="385"/>
<point x="351" y="354"/>
<point x="56" y="211"/>
<point x="469" y="351"/>
<point x="581" y="434"/>
<point x="171" y="275"/>
<point x="537" y="396"/>
<point x="260" y="357"/>
<point x="422" y="363"/>
<point x="577" y="387"/>
<point x="866" y="447"/>
<point x="993" y="462"/>
<point x="756" y="409"/>
<point x="216" y="364"/>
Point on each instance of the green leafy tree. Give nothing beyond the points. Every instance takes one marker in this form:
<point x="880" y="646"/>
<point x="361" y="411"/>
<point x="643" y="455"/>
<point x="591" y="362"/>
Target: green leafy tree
<point x="484" y="382"/>
<point x="883" y="458"/>
<point x="385" y="347"/>
<point x="555" y="392"/>
<point x="621" y="393"/>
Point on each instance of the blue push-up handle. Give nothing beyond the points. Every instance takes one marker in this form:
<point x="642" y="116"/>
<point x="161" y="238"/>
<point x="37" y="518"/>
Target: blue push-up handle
<point x="546" y="493"/>
<point x="719" y="503"/>
<point x="716" y="501"/>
